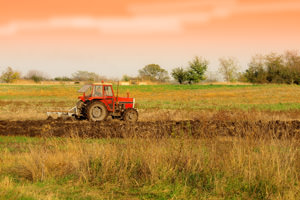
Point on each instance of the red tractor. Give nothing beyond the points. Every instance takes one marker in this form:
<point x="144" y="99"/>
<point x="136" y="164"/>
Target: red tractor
<point x="99" y="101"/>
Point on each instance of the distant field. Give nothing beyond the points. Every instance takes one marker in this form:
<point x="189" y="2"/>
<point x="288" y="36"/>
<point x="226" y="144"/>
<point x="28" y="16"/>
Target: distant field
<point x="277" y="97"/>
<point x="173" y="97"/>
<point x="155" y="102"/>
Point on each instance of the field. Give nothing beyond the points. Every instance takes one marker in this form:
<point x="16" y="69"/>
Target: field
<point x="20" y="102"/>
<point x="191" y="142"/>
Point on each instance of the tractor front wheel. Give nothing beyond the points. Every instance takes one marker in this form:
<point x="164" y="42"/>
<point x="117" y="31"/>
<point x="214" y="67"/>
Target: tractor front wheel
<point x="130" y="115"/>
<point x="97" y="111"/>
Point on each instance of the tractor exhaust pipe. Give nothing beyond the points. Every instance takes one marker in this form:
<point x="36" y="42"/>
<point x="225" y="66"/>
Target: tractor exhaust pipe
<point x="118" y="92"/>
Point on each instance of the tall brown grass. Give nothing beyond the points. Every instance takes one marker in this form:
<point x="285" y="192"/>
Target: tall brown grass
<point x="166" y="168"/>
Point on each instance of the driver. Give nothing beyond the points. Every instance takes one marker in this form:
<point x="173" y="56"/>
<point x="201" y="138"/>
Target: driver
<point x="98" y="91"/>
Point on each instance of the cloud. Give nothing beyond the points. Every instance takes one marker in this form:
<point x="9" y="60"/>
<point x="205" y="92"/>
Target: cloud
<point x="269" y="7"/>
<point x="145" y="19"/>
<point x="134" y="25"/>
<point x="152" y="18"/>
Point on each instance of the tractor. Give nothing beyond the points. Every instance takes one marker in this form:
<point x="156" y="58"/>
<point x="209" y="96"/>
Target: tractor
<point x="98" y="101"/>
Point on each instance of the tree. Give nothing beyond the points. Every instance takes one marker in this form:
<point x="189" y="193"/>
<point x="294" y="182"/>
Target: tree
<point x="9" y="75"/>
<point x="196" y="70"/>
<point x="36" y="76"/>
<point x="179" y="74"/>
<point x="292" y="62"/>
<point x="87" y="76"/>
<point x="256" y="72"/>
<point x="129" y="78"/>
<point x="63" y="78"/>
<point x="125" y="78"/>
<point x="154" y="72"/>
<point x="274" y="68"/>
<point x="211" y="76"/>
<point x="277" y="72"/>
<point x="229" y="69"/>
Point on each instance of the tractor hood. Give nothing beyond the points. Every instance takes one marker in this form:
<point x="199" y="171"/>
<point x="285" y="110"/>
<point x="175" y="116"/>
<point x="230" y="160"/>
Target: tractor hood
<point x="129" y="102"/>
<point x="125" y="99"/>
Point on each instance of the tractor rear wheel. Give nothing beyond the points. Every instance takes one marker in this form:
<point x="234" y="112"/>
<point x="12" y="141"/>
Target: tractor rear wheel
<point x="97" y="111"/>
<point x="130" y="115"/>
<point x="81" y="113"/>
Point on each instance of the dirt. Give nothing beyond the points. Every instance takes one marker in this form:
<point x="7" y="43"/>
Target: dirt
<point x="153" y="129"/>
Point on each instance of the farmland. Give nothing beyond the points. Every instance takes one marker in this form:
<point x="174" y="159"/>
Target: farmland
<point x="32" y="101"/>
<point x="191" y="142"/>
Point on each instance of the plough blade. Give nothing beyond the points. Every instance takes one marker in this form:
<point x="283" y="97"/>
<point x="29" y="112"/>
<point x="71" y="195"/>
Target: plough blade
<point x="62" y="114"/>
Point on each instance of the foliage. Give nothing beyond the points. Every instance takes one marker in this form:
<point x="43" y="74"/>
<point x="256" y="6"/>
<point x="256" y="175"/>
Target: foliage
<point x="125" y="78"/>
<point x="36" y="76"/>
<point x="256" y="72"/>
<point x="193" y="74"/>
<point x="9" y="75"/>
<point x="154" y="72"/>
<point x="63" y="78"/>
<point x="196" y="70"/>
<point x="179" y="74"/>
<point x="274" y="68"/>
<point x="229" y="69"/>
<point x="87" y="76"/>
<point x="129" y="78"/>
<point x="292" y="63"/>
<point x="211" y="76"/>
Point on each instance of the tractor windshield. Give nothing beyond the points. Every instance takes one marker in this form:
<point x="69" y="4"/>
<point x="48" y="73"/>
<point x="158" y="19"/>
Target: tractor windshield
<point x="108" y="91"/>
<point x="98" y="91"/>
<point x="85" y="88"/>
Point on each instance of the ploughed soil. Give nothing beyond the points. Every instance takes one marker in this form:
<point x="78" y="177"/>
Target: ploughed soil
<point x="153" y="129"/>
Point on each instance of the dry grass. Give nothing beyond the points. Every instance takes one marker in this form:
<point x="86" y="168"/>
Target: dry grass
<point x="167" y="168"/>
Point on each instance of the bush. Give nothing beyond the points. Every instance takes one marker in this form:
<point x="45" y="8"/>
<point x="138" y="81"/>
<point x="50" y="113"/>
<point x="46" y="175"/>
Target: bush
<point x="63" y="78"/>
<point x="274" y="68"/>
<point x="9" y="75"/>
<point x="229" y="69"/>
<point x="196" y="70"/>
<point x="179" y="74"/>
<point x="193" y="74"/>
<point x="154" y="72"/>
<point x="36" y="76"/>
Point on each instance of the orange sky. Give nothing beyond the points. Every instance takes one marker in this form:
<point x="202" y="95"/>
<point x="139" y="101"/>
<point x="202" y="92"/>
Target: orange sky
<point x="117" y="37"/>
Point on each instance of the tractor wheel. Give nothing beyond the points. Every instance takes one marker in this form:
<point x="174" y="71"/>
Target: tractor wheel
<point x="130" y="115"/>
<point x="81" y="110"/>
<point x="97" y="111"/>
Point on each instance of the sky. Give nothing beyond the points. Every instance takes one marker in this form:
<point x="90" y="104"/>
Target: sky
<point x="118" y="37"/>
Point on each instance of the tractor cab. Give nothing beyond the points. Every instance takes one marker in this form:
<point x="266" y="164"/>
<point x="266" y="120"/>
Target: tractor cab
<point x="97" y="90"/>
<point x="103" y="91"/>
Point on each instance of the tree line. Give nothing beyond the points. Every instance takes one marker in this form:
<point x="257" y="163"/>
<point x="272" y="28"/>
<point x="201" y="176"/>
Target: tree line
<point x="274" y="68"/>
<point x="9" y="75"/>
<point x="269" y="68"/>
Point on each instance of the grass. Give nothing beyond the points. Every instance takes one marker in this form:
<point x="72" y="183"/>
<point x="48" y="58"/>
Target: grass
<point x="224" y="168"/>
<point x="35" y="100"/>
<point x="132" y="168"/>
